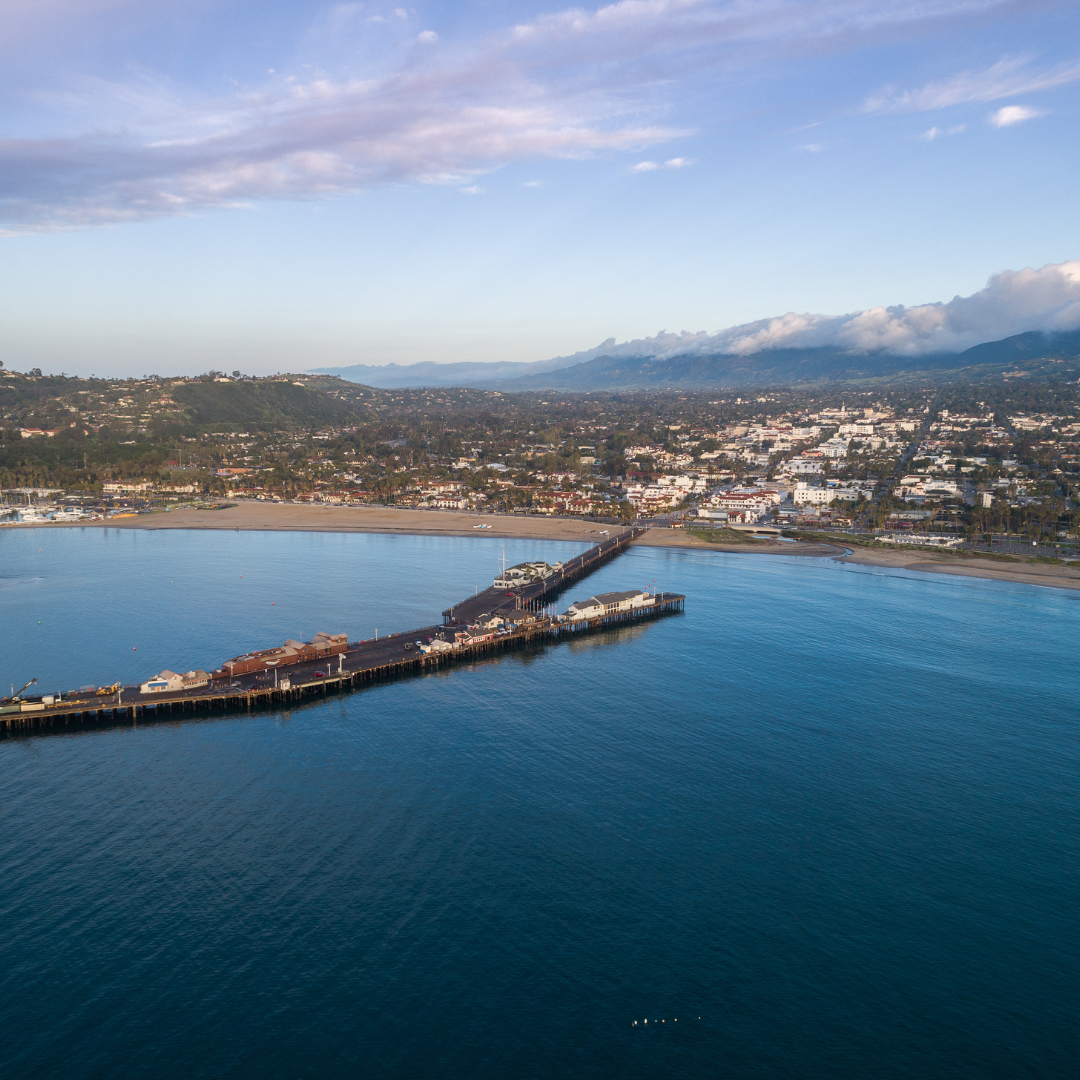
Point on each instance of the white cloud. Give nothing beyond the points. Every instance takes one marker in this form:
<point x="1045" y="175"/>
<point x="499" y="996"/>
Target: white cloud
<point x="1013" y="302"/>
<point x="812" y="148"/>
<point x="472" y="189"/>
<point x="941" y="133"/>
<point x="1009" y="77"/>
<point x="1014" y="114"/>
<point x="671" y="163"/>
<point x="427" y="37"/>
<point x="533" y="183"/>
<point x="567" y="85"/>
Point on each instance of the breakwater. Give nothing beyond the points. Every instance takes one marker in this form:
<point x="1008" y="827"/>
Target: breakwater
<point x="359" y="664"/>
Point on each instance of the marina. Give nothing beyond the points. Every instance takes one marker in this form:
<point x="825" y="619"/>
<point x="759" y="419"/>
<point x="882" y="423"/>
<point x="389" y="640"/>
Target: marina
<point x="493" y="621"/>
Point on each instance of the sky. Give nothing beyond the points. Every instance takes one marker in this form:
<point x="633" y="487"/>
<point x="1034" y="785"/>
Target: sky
<point x="284" y="185"/>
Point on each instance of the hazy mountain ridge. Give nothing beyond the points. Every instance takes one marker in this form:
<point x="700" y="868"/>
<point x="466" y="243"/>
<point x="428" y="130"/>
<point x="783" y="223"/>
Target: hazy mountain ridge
<point x="1035" y="352"/>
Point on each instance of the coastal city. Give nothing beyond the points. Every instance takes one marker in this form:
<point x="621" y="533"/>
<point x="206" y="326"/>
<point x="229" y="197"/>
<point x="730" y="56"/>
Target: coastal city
<point x="995" y="466"/>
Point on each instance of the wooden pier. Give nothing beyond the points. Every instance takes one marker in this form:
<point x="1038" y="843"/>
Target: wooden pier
<point x="533" y="597"/>
<point x="362" y="664"/>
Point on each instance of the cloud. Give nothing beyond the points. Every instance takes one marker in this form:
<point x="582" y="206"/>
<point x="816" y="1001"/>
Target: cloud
<point x="1013" y="302"/>
<point x="1009" y="77"/>
<point x="1014" y="114"/>
<point x="427" y="37"/>
<point x="671" y="163"/>
<point x="472" y="189"/>
<point x="533" y="183"/>
<point x="569" y="84"/>
<point x="941" y="133"/>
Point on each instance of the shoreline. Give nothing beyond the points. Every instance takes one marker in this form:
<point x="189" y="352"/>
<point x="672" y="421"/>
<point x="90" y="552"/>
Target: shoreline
<point x="277" y="517"/>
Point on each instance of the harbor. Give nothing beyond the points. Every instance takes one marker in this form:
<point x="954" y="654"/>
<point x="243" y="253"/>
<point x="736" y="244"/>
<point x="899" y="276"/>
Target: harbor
<point x="495" y="620"/>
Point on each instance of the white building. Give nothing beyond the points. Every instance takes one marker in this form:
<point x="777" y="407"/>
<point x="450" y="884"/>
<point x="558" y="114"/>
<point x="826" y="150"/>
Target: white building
<point x="834" y="448"/>
<point x="525" y="573"/>
<point x="168" y="682"/>
<point x="801" y="466"/>
<point x="805" y="495"/>
<point x="611" y="603"/>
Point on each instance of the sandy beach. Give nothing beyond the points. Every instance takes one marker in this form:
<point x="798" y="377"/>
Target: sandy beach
<point x="378" y="519"/>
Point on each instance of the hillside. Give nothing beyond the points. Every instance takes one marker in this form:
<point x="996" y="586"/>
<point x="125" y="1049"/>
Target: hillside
<point x="266" y="404"/>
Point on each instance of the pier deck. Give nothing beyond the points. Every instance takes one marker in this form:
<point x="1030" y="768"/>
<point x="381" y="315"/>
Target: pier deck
<point x="362" y="663"/>
<point x="532" y="597"/>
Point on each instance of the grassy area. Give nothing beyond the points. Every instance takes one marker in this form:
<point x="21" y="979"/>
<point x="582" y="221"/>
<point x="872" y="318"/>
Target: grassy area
<point x="724" y="536"/>
<point x="832" y="538"/>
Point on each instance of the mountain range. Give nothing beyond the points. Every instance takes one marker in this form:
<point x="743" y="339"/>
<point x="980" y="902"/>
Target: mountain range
<point x="1033" y="355"/>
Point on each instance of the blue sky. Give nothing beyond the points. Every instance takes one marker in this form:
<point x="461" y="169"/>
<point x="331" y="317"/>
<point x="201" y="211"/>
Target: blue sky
<point x="276" y="186"/>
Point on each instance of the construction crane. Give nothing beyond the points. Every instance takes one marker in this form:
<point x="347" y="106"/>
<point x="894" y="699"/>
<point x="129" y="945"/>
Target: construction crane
<point x="15" y="697"/>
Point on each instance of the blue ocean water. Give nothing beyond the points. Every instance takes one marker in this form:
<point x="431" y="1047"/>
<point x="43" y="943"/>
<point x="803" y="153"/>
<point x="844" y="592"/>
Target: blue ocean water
<point x="824" y="824"/>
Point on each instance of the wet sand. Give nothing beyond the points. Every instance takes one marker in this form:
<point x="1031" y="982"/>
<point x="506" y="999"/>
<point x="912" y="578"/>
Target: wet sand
<point x="378" y="519"/>
<point x="1028" y="573"/>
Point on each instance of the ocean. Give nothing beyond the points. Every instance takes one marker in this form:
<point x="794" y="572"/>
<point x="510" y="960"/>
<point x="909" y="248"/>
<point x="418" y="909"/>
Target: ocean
<point x="824" y="824"/>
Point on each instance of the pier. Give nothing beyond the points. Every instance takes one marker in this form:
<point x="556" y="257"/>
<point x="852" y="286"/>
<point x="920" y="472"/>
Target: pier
<point x="533" y="597"/>
<point x="361" y="663"/>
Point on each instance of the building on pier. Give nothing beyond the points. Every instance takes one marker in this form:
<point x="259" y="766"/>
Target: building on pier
<point x="611" y="603"/>
<point x="292" y="652"/>
<point x="169" y="682"/>
<point x="526" y="573"/>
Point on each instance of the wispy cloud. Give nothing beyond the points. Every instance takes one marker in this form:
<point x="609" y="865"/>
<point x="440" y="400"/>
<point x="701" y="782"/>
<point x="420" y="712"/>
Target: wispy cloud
<point x="652" y="166"/>
<point x="566" y="85"/>
<point x="1014" y="114"/>
<point x="1009" y="77"/>
<point x="935" y="132"/>
<point x="1013" y="302"/>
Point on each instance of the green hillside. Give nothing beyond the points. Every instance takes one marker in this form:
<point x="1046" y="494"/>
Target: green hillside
<point x="266" y="404"/>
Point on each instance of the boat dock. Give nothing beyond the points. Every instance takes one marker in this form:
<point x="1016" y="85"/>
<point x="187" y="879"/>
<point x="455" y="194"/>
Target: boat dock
<point x="522" y="620"/>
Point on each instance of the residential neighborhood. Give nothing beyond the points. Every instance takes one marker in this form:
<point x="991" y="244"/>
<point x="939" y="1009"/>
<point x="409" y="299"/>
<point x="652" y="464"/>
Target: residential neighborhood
<point x="967" y="461"/>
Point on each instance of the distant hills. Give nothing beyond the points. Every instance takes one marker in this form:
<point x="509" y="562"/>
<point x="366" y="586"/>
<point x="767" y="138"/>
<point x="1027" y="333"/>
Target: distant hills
<point x="1033" y="355"/>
